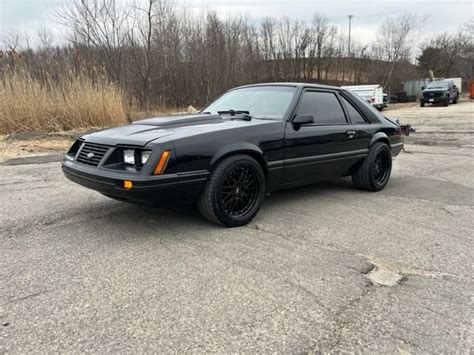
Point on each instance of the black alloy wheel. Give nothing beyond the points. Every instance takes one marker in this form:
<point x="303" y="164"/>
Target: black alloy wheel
<point x="374" y="171"/>
<point x="234" y="191"/>
<point x="239" y="191"/>
<point x="381" y="168"/>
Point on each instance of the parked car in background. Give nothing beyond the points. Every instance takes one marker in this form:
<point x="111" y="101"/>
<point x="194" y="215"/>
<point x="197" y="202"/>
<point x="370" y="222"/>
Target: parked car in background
<point x="373" y="94"/>
<point x="443" y="91"/>
<point x="414" y="88"/>
<point x="457" y="82"/>
<point x="251" y="141"/>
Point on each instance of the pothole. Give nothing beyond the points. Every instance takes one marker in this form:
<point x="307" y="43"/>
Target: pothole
<point x="383" y="277"/>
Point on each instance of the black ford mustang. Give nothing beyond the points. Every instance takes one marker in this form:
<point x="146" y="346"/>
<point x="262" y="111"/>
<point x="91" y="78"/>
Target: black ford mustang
<point x="250" y="141"/>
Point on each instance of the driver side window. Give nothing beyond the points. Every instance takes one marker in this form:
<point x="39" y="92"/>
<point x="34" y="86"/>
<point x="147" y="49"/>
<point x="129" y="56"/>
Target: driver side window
<point x="324" y="106"/>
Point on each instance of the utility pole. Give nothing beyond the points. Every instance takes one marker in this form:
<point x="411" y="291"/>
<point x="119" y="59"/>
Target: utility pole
<point x="350" y="25"/>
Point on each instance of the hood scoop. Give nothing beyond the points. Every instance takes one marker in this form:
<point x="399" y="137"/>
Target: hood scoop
<point x="180" y="120"/>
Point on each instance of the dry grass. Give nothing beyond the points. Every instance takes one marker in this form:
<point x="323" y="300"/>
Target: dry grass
<point x="73" y="102"/>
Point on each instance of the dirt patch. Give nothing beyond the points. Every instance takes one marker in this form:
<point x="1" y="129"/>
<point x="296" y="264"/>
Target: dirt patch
<point x="25" y="144"/>
<point x="13" y="148"/>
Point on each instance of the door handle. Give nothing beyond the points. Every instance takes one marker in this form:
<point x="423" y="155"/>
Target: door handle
<point x="350" y="134"/>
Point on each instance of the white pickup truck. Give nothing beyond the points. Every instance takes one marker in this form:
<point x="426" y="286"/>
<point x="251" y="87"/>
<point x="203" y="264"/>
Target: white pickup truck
<point x="372" y="93"/>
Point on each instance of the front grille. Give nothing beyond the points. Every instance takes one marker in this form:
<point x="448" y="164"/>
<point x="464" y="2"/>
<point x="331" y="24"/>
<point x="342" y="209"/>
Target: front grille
<point x="433" y="94"/>
<point x="91" y="154"/>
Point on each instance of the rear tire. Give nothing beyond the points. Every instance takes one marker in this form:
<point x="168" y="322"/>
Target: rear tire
<point x="234" y="192"/>
<point x="422" y="104"/>
<point x="374" y="172"/>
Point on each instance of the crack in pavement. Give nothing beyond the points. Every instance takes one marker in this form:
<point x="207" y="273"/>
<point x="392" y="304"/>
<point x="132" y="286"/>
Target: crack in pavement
<point x="22" y="298"/>
<point x="376" y="261"/>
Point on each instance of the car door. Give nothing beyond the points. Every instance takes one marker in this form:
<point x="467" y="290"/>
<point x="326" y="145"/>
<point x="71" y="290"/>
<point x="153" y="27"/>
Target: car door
<point x="323" y="149"/>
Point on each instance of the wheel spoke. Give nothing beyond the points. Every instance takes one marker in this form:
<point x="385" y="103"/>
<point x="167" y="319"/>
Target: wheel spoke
<point x="227" y="198"/>
<point x="239" y="191"/>
<point x="380" y="168"/>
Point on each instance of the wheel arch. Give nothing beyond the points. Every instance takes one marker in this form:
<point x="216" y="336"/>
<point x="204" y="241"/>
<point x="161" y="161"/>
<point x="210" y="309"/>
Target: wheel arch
<point x="379" y="137"/>
<point x="241" y="148"/>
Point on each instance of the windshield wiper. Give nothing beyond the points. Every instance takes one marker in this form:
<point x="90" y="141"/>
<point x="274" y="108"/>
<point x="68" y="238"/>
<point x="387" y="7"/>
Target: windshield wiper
<point x="245" y="115"/>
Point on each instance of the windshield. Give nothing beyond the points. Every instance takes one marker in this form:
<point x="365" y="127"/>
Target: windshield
<point x="438" y="85"/>
<point x="260" y="101"/>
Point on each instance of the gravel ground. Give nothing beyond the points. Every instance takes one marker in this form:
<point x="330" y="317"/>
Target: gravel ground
<point x="324" y="267"/>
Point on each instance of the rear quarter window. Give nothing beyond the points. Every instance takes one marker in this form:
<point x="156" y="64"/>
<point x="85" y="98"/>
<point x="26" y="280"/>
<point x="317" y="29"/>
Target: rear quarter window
<point x="370" y="112"/>
<point x="355" y="116"/>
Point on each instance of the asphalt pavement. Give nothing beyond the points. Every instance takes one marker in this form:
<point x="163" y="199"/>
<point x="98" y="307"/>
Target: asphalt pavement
<point x="322" y="268"/>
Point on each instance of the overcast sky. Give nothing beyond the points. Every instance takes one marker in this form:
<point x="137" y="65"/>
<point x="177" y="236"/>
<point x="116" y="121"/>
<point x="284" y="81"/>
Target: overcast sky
<point x="445" y="15"/>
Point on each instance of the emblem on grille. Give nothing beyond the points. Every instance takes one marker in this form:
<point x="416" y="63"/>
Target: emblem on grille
<point x="90" y="155"/>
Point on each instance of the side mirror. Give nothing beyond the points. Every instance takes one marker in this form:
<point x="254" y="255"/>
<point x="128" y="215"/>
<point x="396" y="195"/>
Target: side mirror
<point x="455" y="87"/>
<point x="423" y="88"/>
<point x="303" y="119"/>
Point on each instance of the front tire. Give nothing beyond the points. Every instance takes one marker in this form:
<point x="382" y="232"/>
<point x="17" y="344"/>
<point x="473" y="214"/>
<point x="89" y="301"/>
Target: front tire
<point x="234" y="191"/>
<point x="455" y="100"/>
<point x="374" y="172"/>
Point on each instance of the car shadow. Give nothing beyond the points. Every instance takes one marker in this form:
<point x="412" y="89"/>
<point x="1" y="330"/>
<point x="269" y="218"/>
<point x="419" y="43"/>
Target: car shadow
<point x="141" y="221"/>
<point x="190" y="213"/>
<point x="310" y="190"/>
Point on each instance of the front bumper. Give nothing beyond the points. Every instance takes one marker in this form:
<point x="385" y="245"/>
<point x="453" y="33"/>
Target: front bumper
<point x="434" y="100"/>
<point x="167" y="189"/>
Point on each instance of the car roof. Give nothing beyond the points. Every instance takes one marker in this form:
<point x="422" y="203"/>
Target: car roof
<point x="294" y="84"/>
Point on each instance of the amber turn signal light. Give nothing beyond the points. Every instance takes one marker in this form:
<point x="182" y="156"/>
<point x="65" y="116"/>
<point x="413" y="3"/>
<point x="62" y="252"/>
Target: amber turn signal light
<point x="127" y="184"/>
<point x="160" y="167"/>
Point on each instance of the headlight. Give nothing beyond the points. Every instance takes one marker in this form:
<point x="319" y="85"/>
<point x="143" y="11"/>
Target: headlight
<point x="129" y="156"/>
<point x="145" y="155"/>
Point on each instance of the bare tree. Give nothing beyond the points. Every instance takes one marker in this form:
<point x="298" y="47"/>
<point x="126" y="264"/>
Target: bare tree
<point x="99" y="24"/>
<point x="163" y="55"/>
<point x="448" y="54"/>
<point x="45" y="38"/>
<point x="140" y="39"/>
<point x="395" y="37"/>
<point x="321" y="28"/>
<point x="11" y="40"/>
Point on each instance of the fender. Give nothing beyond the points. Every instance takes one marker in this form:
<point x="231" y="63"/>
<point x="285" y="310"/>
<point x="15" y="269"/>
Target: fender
<point x="379" y="136"/>
<point x="240" y="147"/>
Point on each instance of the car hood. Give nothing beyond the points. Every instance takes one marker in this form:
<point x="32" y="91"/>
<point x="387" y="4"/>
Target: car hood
<point x="142" y="132"/>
